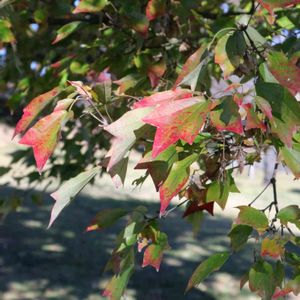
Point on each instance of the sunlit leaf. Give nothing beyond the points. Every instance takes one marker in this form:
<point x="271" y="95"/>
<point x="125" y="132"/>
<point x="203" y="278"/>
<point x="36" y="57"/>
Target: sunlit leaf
<point x="65" y="31"/>
<point x="289" y="214"/>
<point x="154" y="253"/>
<point x="181" y="119"/>
<point x="285" y="71"/>
<point x="177" y="178"/>
<point x="252" y="217"/>
<point x="6" y="35"/>
<point x="272" y="248"/>
<point x="191" y="64"/>
<point x="155" y="9"/>
<point x="31" y="111"/>
<point x="212" y="264"/>
<point x="126" y="131"/>
<point x="44" y="135"/>
<point x="90" y="6"/>
<point x="163" y="97"/>
<point x="270" y="5"/>
<point x="116" y="287"/>
<point x="225" y="116"/>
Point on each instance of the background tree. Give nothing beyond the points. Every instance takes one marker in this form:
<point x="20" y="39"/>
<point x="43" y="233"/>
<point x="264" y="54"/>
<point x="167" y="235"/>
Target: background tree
<point x="125" y="75"/>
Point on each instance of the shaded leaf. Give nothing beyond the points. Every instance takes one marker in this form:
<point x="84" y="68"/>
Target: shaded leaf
<point x="159" y="166"/>
<point x="65" y="31"/>
<point x="156" y="71"/>
<point x="285" y="110"/>
<point x="239" y="235"/>
<point x="31" y="111"/>
<point x="106" y="218"/>
<point x="66" y="193"/>
<point x="181" y="119"/>
<point x="44" y="135"/>
<point x="195" y="207"/>
<point x="177" y="178"/>
<point x="261" y="279"/>
<point x="292" y="286"/>
<point x="117" y="285"/>
<point x="252" y="217"/>
<point x="212" y="264"/>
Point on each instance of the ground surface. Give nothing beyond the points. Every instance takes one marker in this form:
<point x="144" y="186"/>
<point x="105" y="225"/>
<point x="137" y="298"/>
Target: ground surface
<point x="66" y="263"/>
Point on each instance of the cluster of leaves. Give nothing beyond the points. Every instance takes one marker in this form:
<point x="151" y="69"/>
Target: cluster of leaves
<point x="132" y="81"/>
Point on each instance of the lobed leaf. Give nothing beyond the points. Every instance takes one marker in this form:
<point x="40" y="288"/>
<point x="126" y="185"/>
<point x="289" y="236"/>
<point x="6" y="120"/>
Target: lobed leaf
<point x="66" y="193"/>
<point x="285" y="71"/>
<point x="181" y="119"/>
<point x="253" y="217"/>
<point x="154" y="253"/>
<point x="177" y="178"/>
<point x="44" y="135"/>
<point x="225" y="116"/>
<point x="190" y="65"/>
<point x="126" y="131"/>
<point x="31" y="111"/>
<point x="290" y="214"/>
<point x="163" y="98"/>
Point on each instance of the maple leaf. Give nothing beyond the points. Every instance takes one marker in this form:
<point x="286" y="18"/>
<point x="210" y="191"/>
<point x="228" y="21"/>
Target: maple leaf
<point x="181" y="119"/>
<point x="31" y="111"/>
<point x="163" y="97"/>
<point x="66" y="193"/>
<point x="285" y="110"/>
<point x="252" y="120"/>
<point x="221" y="57"/>
<point x="191" y="64"/>
<point x="126" y="131"/>
<point x="44" y="135"/>
<point x="154" y="253"/>
<point x="159" y="166"/>
<point x="176" y="180"/>
<point x="155" y="9"/>
<point x="225" y="116"/>
<point x="269" y="5"/>
<point x="196" y="207"/>
<point x="285" y="71"/>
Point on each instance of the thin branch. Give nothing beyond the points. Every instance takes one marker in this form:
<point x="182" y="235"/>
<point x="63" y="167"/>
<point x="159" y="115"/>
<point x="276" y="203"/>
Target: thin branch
<point x="264" y="189"/>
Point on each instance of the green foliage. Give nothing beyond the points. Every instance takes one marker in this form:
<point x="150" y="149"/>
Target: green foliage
<point x="130" y="74"/>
